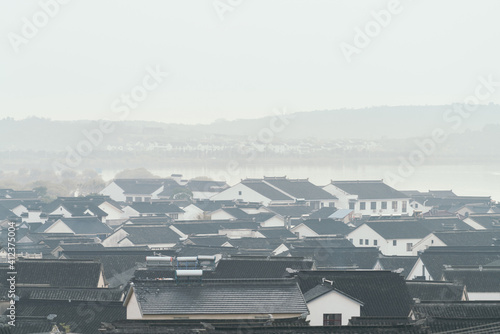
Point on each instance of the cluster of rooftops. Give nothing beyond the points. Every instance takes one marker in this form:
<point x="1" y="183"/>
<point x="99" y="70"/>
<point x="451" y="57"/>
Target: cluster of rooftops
<point x="276" y="255"/>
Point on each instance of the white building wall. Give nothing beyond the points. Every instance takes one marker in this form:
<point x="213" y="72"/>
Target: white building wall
<point x="114" y="239"/>
<point x="247" y="195"/>
<point x="114" y="192"/>
<point x="364" y="236"/>
<point x="302" y="231"/>
<point x="273" y="222"/>
<point x="418" y="270"/>
<point x="192" y="212"/>
<point x="430" y="240"/>
<point x="469" y="221"/>
<point x="113" y="212"/>
<point x="484" y="296"/>
<point x="59" y="227"/>
<point x="19" y="210"/>
<point x="344" y="199"/>
<point x="332" y="303"/>
<point x="220" y="215"/>
<point x="133" y="308"/>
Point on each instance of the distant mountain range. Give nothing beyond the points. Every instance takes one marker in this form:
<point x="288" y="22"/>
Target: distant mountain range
<point x="366" y="124"/>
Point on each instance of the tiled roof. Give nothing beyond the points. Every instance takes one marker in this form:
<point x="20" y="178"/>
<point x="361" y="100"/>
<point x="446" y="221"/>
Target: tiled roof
<point x="383" y="293"/>
<point x="142" y="235"/>
<point x="217" y="240"/>
<point x="449" y="202"/>
<point x="118" y="267"/>
<point x="266" y="190"/>
<point x="328" y="226"/>
<point x="276" y="233"/>
<point x="221" y="297"/>
<point x="236" y="213"/>
<point x="139" y="186"/>
<point x="155" y="207"/>
<point x="259" y="268"/>
<point x="213" y="227"/>
<point x="194" y="250"/>
<point x="59" y="273"/>
<point x="82" y="317"/>
<point x="444" y="224"/>
<point x="456" y="310"/>
<point x="434" y="258"/>
<point x="339" y="258"/>
<point x="74" y="294"/>
<point x="435" y="290"/>
<point x="399" y="229"/>
<point x="5" y="213"/>
<point x="478" y="279"/>
<point x="318" y="291"/>
<point x="294" y="211"/>
<point x="299" y="188"/>
<point x="151" y="220"/>
<point x="487" y="221"/>
<point x="469" y="238"/>
<point x="254" y="243"/>
<point x="320" y="241"/>
<point x="323" y="213"/>
<point x="209" y="206"/>
<point x="207" y="186"/>
<point x="400" y="264"/>
<point x="80" y="226"/>
<point x="75" y="208"/>
<point x="373" y="189"/>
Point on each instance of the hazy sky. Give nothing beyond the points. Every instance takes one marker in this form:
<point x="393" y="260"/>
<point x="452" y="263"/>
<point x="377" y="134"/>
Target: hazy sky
<point x="264" y="54"/>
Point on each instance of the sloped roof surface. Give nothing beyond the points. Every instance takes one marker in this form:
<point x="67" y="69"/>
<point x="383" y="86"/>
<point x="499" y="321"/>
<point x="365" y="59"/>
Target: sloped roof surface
<point x="468" y="238"/>
<point x="74" y="294"/>
<point x="328" y="226"/>
<point x="394" y="263"/>
<point x="59" y="273"/>
<point x="294" y="211"/>
<point x="141" y="235"/>
<point x="399" y="230"/>
<point x="83" y="317"/>
<point x="259" y="268"/>
<point x="435" y="290"/>
<point x="276" y="233"/>
<point x="207" y="186"/>
<point x="219" y="297"/>
<point x="299" y="188"/>
<point x="139" y="186"/>
<point x="266" y="190"/>
<point x="434" y="258"/>
<point x="339" y="258"/>
<point x="155" y="207"/>
<point x="383" y="293"/>
<point x="464" y="310"/>
<point x="370" y="189"/>
<point x="476" y="279"/>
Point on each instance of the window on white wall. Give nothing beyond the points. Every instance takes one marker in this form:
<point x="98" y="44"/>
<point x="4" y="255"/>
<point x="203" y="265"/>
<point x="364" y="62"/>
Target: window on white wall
<point x="332" y="319"/>
<point x="394" y="242"/>
<point x="362" y="205"/>
<point x="409" y="246"/>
